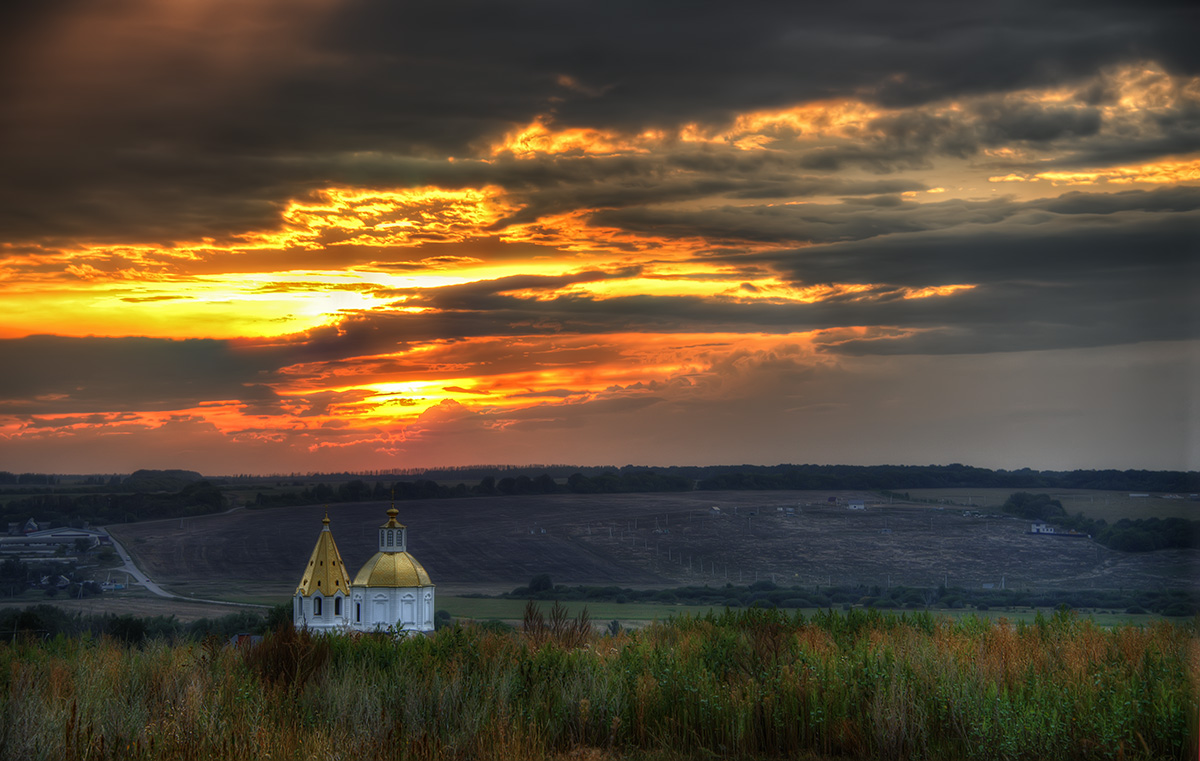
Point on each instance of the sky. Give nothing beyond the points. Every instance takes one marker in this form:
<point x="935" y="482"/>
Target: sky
<point x="275" y="236"/>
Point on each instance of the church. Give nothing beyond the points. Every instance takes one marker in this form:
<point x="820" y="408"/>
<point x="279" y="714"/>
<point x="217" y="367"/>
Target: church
<point x="392" y="592"/>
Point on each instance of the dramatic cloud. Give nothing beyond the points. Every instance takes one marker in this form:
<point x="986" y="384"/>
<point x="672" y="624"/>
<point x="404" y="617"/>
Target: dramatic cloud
<point x="352" y="234"/>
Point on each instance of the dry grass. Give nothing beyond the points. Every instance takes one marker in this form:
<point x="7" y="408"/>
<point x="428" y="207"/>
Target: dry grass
<point x="754" y="684"/>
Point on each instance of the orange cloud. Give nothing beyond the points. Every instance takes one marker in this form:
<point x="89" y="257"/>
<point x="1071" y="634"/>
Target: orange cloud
<point x="538" y="138"/>
<point x="750" y="131"/>
<point x="339" y="216"/>
<point x="1171" y="172"/>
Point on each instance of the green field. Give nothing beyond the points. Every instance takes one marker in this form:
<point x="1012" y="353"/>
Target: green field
<point x="481" y="609"/>
<point x="639" y="614"/>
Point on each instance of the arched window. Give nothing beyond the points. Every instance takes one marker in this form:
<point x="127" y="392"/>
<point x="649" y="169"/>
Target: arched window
<point x="337" y="606"/>
<point x="316" y="606"/>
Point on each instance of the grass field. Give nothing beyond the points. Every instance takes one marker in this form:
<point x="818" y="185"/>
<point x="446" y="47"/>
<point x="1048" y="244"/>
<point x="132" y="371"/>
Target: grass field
<point x="752" y="685"/>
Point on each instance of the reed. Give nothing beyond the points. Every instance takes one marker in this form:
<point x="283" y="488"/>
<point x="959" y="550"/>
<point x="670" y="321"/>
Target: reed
<point x="754" y="683"/>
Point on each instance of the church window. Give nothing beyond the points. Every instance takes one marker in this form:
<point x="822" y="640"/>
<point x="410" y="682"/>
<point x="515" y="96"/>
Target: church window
<point x="358" y="612"/>
<point x="316" y="606"/>
<point x="337" y="606"/>
<point x="389" y="539"/>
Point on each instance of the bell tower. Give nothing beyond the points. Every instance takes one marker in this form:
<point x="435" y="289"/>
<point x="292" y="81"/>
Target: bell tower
<point x="393" y="535"/>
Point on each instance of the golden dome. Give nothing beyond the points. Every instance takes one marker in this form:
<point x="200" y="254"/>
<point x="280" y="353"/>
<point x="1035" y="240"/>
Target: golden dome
<point x="392" y="522"/>
<point x="392" y="569"/>
<point x="325" y="572"/>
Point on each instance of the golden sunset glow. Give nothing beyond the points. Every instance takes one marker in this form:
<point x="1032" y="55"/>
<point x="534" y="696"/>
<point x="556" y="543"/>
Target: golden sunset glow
<point x="540" y="138"/>
<point x="345" y="216"/>
<point x="1164" y="173"/>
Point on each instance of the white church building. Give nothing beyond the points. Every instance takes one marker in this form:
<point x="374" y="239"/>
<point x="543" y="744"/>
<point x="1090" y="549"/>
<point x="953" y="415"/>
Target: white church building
<point x="391" y="592"/>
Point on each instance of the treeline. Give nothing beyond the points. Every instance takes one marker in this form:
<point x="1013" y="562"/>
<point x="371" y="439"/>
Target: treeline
<point x="167" y="494"/>
<point x="360" y="491"/>
<point x="196" y="498"/>
<point x="1126" y="535"/>
<point x="41" y="622"/>
<point x="489" y="486"/>
<point x="36" y="479"/>
<point x="766" y="594"/>
<point x="711" y="477"/>
<point x="842" y="477"/>
<point x="872" y="477"/>
<point x="631" y="479"/>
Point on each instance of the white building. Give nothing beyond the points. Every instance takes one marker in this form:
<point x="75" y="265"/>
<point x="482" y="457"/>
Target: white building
<point x="391" y="592"/>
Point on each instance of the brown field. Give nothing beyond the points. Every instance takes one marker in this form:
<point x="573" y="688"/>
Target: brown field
<point x="492" y="545"/>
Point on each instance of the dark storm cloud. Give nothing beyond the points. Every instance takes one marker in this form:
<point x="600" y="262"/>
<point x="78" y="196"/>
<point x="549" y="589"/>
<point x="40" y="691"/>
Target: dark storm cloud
<point x="1099" y="272"/>
<point x="137" y="120"/>
<point x="1081" y="251"/>
<point x="1071" y="281"/>
<point x="862" y="218"/>
<point x="54" y="374"/>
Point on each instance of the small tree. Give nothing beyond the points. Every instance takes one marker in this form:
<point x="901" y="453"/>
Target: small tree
<point x="540" y="583"/>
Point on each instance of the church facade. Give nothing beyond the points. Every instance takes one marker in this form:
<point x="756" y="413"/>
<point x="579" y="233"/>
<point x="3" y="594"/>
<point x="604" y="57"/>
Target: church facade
<point x="391" y="592"/>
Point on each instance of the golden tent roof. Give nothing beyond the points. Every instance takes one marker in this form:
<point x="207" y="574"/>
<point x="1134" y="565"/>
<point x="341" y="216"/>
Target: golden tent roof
<point x="325" y="572"/>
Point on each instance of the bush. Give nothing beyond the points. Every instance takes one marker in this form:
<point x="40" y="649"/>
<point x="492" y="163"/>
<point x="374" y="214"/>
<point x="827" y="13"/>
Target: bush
<point x="288" y="657"/>
<point x="1179" y="609"/>
<point x="540" y="583"/>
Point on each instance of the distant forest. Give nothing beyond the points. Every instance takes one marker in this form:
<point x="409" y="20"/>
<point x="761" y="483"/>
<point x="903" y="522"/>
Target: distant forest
<point x="156" y="494"/>
<point x="840" y="477"/>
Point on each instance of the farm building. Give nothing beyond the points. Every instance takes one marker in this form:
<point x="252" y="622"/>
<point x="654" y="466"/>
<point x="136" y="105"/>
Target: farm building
<point x="391" y="591"/>
<point x="1048" y="530"/>
<point x="49" y="541"/>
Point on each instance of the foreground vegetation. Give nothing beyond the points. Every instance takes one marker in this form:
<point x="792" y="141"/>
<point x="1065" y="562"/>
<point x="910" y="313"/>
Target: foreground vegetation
<point x="757" y="683"/>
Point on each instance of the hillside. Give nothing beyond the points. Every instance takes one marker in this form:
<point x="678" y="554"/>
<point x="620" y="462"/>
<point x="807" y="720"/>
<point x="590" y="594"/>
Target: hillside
<point x="493" y="544"/>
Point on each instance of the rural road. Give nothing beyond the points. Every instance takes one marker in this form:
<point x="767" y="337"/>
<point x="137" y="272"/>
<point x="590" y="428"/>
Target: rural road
<point x="139" y="577"/>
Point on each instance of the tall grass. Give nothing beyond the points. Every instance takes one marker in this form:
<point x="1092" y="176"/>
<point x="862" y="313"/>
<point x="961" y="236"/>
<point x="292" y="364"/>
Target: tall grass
<point x="753" y="683"/>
